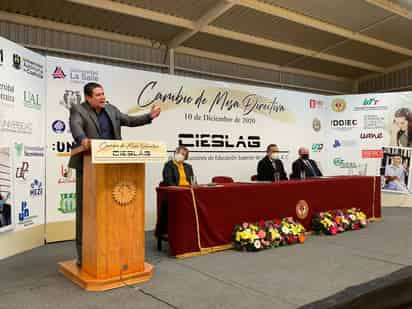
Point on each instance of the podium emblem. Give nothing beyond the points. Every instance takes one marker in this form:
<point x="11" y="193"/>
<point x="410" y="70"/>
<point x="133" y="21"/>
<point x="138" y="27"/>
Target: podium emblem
<point x="302" y="209"/>
<point x="124" y="192"/>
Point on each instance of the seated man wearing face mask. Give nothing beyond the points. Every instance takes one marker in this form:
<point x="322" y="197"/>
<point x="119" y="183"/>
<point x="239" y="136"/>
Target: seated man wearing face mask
<point x="176" y="172"/>
<point x="270" y="168"/>
<point x="304" y="167"/>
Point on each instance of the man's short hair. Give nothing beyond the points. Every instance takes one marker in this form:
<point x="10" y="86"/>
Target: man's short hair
<point x="185" y="149"/>
<point x="89" y="87"/>
<point x="270" y="146"/>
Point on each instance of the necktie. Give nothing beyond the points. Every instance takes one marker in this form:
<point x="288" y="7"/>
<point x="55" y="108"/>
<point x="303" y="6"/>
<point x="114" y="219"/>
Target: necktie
<point x="312" y="170"/>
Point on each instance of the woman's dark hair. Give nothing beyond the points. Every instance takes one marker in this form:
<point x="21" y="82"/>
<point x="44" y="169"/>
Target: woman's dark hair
<point x="185" y="149"/>
<point x="89" y="87"/>
<point x="406" y="113"/>
<point x="1" y="196"/>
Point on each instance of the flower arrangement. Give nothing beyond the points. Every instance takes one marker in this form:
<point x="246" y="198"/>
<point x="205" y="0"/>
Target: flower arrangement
<point x="267" y="234"/>
<point x="337" y="221"/>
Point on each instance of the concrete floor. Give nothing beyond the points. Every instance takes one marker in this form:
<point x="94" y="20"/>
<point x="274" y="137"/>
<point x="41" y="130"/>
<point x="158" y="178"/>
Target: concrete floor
<point x="286" y="277"/>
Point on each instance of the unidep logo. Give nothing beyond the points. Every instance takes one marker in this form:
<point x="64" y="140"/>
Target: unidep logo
<point x="338" y="105"/>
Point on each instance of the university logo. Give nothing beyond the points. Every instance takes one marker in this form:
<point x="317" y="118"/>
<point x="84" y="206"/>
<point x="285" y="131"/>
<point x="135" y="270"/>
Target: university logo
<point x="31" y="100"/>
<point x="317" y="147"/>
<point x="371" y="135"/>
<point x="25" y="218"/>
<point x="62" y="148"/>
<point x="372" y="153"/>
<point x="36" y="188"/>
<point x="370" y="101"/>
<point x="343" y="124"/>
<point x="67" y="203"/>
<point x="339" y="162"/>
<point x="24" y="212"/>
<point x="70" y="98"/>
<point x="343" y="143"/>
<point x="84" y="76"/>
<point x="16" y="61"/>
<point x="22" y="170"/>
<point x="19" y="149"/>
<point x="302" y="209"/>
<point x="313" y="104"/>
<point x="369" y="104"/>
<point x="6" y="94"/>
<point x="16" y="126"/>
<point x="58" y="126"/>
<point x="58" y="73"/>
<point x="66" y="175"/>
<point x="316" y="125"/>
<point x="338" y="105"/>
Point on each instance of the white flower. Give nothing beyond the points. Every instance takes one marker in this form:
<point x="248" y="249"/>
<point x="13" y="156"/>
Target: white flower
<point x="285" y="230"/>
<point x="257" y="244"/>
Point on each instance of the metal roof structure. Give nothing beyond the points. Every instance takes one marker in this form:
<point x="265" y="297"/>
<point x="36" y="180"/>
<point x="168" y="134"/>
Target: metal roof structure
<point x="330" y="39"/>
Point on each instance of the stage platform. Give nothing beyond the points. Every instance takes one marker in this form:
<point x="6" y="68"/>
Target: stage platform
<point x="317" y="274"/>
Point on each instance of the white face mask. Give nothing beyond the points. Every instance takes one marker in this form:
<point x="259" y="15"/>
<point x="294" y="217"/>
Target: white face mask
<point x="179" y="157"/>
<point x="274" y="156"/>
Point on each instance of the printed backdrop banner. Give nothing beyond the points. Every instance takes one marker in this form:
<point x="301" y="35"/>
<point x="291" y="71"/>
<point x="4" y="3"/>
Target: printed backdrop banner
<point x="357" y="129"/>
<point x="226" y="126"/>
<point x="22" y="118"/>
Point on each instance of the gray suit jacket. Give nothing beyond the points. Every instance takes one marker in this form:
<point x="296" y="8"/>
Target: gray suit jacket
<point x="84" y="123"/>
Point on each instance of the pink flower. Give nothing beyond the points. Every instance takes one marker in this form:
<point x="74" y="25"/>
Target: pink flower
<point x="245" y="225"/>
<point x="333" y="230"/>
<point x="261" y="234"/>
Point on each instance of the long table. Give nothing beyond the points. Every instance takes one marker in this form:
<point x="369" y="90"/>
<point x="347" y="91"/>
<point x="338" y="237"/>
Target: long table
<point x="201" y="218"/>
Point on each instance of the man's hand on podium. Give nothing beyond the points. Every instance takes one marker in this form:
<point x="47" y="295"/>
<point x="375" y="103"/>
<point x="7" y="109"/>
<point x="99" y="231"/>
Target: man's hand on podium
<point x="155" y="111"/>
<point x="86" y="143"/>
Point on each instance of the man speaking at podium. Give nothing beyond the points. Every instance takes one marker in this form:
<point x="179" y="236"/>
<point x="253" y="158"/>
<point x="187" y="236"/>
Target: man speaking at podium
<point x="96" y="119"/>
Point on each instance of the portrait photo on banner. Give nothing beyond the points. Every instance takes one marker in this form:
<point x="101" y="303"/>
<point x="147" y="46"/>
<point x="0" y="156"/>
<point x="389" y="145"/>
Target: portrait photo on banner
<point x="395" y="169"/>
<point x="6" y="189"/>
<point x="400" y="126"/>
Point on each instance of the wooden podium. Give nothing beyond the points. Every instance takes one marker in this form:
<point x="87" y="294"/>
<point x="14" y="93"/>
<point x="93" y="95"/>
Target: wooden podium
<point x="113" y="215"/>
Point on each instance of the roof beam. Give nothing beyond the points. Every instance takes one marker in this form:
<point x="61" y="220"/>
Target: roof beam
<point x="219" y="9"/>
<point x="396" y="67"/>
<point x="246" y="38"/>
<point x="324" y="26"/>
<point x="111" y="36"/>
<point x="57" y="26"/>
<point x="257" y="64"/>
<point x="392" y="7"/>
<point x="220" y="32"/>
<point x="135" y="11"/>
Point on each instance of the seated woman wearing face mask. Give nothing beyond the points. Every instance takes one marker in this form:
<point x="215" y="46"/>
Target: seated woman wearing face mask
<point x="176" y="172"/>
<point x="270" y="168"/>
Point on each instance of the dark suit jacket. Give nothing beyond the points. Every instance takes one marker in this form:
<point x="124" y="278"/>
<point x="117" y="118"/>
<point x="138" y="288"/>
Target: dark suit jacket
<point x="6" y="215"/>
<point x="171" y="173"/>
<point x="265" y="170"/>
<point x="299" y="166"/>
<point x="83" y="122"/>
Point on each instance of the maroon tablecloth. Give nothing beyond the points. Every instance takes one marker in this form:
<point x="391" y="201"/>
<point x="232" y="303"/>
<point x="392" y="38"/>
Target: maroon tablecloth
<point x="201" y="219"/>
